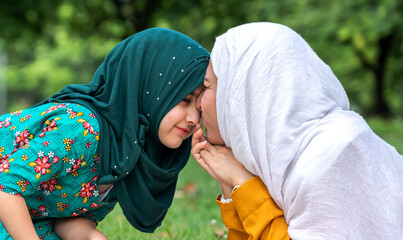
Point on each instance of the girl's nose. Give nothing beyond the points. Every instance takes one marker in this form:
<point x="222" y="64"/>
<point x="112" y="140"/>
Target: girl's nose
<point x="193" y="116"/>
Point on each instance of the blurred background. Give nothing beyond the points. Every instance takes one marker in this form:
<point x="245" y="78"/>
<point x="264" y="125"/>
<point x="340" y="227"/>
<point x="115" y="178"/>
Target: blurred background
<point x="47" y="44"/>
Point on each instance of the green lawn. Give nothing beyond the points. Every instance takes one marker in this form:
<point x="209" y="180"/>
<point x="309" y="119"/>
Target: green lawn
<point x="194" y="213"/>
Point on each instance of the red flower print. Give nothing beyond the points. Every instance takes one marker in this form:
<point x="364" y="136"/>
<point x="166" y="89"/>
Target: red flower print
<point x="23" y="138"/>
<point x="51" y="125"/>
<point x="86" y="125"/>
<point x="55" y="160"/>
<point x="50" y="185"/>
<point x="1" y="187"/>
<point x="86" y="191"/>
<point x="88" y="145"/>
<point x="53" y="108"/>
<point x="92" y="115"/>
<point x="4" y="166"/>
<point x="71" y="141"/>
<point x="45" y="143"/>
<point x="41" y="166"/>
<point x="5" y="123"/>
<point x="34" y="213"/>
<point x="42" y="208"/>
<point x="5" y="163"/>
<point x="76" y="165"/>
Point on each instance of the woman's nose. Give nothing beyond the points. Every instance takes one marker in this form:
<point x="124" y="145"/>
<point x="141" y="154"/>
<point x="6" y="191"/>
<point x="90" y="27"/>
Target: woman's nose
<point x="198" y="101"/>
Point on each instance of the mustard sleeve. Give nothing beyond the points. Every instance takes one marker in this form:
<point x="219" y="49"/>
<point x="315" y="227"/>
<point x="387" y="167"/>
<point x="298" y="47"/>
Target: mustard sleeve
<point x="261" y="218"/>
<point x="231" y="220"/>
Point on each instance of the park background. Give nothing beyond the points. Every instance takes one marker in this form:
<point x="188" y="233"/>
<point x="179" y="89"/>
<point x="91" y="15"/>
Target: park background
<point x="47" y="44"/>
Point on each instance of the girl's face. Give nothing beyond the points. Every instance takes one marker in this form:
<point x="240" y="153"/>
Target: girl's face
<point x="178" y="124"/>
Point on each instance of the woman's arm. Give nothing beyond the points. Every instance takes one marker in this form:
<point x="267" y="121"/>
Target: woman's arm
<point x="15" y="218"/>
<point x="77" y="228"/>
<point x="259" y="214"/>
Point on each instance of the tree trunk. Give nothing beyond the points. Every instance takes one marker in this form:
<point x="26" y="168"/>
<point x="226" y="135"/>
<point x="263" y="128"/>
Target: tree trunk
<point x="381" y="107"/>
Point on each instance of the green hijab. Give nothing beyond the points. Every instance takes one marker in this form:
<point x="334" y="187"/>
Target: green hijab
<point x="138" y="83"/>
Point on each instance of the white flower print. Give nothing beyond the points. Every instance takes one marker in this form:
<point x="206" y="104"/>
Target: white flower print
<point x="40" y="153"/>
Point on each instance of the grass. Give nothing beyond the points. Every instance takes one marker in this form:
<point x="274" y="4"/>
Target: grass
<point x="194" y="213"/>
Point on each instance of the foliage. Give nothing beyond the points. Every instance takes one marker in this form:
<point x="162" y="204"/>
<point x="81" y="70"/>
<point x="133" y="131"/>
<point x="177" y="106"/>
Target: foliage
<point x="51" y="43"/>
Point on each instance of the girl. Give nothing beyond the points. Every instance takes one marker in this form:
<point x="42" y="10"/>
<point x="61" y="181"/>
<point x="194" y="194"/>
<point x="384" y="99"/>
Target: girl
<point x="121" y="138"/>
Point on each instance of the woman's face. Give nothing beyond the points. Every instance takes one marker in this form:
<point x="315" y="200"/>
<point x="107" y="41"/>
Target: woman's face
<point x="206" y="103"/>
<point x="178" y="124"/>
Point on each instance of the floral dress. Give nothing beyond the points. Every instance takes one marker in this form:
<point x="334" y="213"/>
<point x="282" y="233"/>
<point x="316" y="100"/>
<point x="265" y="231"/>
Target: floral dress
<point x="48" y="156"/>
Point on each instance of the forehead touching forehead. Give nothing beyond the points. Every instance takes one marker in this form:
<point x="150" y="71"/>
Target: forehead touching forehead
<point x="210" y="75"/>
<point x="197" y="91"/>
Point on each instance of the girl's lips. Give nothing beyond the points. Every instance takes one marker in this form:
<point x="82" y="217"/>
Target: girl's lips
<point x="183" y="131"/>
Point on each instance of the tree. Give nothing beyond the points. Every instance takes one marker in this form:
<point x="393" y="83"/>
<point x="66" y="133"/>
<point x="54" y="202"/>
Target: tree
<point x="52" y="43"/>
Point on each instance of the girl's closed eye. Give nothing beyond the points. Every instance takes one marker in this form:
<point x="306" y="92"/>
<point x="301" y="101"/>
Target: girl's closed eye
<point x="187" y="100"/>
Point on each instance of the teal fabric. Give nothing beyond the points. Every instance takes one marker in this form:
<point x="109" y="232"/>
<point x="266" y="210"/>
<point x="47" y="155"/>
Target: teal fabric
<point x="48" y="155"/>
<point x="138" y="83"/>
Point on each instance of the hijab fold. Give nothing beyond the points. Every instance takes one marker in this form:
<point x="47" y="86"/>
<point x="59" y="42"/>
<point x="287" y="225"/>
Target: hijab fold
<point x="138" y="83"/>
<point x="287" y="119"/>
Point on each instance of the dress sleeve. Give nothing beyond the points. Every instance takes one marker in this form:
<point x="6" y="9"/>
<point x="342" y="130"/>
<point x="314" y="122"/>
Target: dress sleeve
<point x="231" y="220"/>
<point x="261" y="218"/>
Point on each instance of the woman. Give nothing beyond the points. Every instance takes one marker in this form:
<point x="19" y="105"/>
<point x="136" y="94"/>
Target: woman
<point x="286" y="118"/>
<point x="121" y="138"/>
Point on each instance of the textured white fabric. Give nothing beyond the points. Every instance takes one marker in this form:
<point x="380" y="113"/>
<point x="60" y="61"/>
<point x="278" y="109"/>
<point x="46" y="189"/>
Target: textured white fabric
<point x="287" y="119"/>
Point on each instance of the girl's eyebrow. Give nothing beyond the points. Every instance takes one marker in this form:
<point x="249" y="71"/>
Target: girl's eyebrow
<point x="205" y="79"/>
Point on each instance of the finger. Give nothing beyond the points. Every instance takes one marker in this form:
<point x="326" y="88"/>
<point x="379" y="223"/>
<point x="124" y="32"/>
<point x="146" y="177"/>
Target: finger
<point x="206" y="155"/>
<point x="198" y="126"/>
<point x="197" y="135"/>
<point x="197" y="148"/>
<point x="206" y="167"/>
<point x="211" y="148"/>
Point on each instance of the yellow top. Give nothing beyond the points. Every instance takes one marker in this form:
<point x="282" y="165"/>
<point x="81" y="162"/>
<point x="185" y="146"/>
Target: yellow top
<point x="253" y="214"/>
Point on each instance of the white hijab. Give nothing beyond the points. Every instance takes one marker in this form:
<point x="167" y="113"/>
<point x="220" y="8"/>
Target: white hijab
<point x="287" y="119"/>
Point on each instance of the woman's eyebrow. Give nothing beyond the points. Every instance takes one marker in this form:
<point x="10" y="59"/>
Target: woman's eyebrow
<point x="205" y="79"/>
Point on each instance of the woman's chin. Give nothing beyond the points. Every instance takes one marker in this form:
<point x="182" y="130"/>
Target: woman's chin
<point x="214" y="139"/>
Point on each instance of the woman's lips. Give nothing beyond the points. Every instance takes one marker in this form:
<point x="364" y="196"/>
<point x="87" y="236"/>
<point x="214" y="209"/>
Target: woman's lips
<point x="183" y="131"/>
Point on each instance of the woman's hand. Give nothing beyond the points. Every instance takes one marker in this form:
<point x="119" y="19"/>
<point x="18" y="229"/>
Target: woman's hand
<point x="219" y="162"/>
